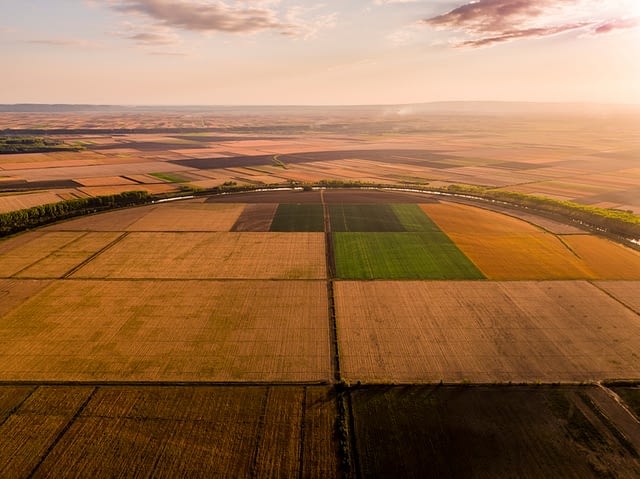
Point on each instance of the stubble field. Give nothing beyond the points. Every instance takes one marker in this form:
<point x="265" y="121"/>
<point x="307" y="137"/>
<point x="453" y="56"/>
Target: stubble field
<point x="302" y="333"/>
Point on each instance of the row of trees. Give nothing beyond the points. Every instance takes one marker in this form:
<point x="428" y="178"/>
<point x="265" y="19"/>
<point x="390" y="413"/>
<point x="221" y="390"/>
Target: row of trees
<point x="15" y="221"/>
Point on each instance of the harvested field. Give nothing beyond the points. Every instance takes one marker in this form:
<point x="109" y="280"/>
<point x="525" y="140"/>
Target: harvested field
<point x="361" y="218"/>
<point x="228" y="255"/>
<point x="26" y="435"/>
<point x="188" y="216"/>
<point x="484" y="332"/>
<point x="105" y="181"/>
<point x="25" y="254"/>
<point x="627" y="292"/>
<point x="169" y="331"/>
<point x="255" y="217"/>
<point x="461" y="432"/>
<point x="455" y="218"/>
<point x="506" y="248"/>
<point x="400" y="256"/>
<point x="607" y="260"/>
<point x="15" y="292"/>
<point x="62" y="261"/>
<point x="292" y="197"/>
<point x="118" y="220"/>
<point x="172" y="431"/>
<point x="26" y="200"/>
<point x="298" y="217"/>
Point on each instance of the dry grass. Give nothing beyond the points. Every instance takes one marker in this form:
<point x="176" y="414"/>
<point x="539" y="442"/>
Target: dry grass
<point x="170" y="331"/>
<point x="506" y="248"/>
<point x="484" y="332"/>
<point x="212" y="255"/>
<point x="606" y="259"/>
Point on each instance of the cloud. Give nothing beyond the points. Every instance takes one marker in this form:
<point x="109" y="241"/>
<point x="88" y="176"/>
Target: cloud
<point x="303" y="23"/>
<point x="148" y="35"/>
<point x="525" y="33"/>
<point x="201" y="16"/>
<point x="489" y="22"/>
<point x="62" y="42"/>
<point x="616" y="25"/>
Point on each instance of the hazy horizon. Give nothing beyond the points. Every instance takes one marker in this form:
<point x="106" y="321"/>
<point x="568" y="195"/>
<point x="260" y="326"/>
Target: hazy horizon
<point x="294" y="53"/>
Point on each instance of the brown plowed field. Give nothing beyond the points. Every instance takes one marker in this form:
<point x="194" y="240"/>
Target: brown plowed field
<point x="169" y="331"/>
<point x="484" y="332"/>
<point x="256" y="217"/>
<point x="212" y="255"/>
<point x="606" y="259"/>
<point x="489" y="432"/>
<point x="187" y="216"/>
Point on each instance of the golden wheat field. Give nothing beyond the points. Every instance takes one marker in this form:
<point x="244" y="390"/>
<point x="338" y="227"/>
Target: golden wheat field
<point x="167" y="330"/>
<point x="211" y="255"/>
<point x="484" y="332"/>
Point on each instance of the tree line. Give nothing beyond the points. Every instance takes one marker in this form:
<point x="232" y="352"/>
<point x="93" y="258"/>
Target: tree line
<point x="20" y="220"/>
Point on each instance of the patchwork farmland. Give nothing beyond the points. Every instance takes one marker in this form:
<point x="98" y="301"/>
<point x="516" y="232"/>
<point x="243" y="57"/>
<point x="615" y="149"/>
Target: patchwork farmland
<point x="328" y="333"/>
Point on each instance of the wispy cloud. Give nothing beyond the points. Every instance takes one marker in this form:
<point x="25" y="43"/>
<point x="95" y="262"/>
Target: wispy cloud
<point x="194" y="15"/>
<point x="63" y="42"/>
<point x="617" y="25"/>
<point x="489" y="22"/>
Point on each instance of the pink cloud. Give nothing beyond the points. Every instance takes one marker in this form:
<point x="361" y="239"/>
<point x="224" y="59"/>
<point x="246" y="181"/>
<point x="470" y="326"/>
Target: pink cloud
<point x="491" y="16"/>
<point x="617" y="24"/>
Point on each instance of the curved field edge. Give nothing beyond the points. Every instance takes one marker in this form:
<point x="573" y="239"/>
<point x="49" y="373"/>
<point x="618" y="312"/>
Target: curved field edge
<point x="622" y="225"/>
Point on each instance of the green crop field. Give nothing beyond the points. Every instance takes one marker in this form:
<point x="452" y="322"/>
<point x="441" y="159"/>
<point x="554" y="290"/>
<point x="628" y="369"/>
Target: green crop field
<point x="400" y="256"/>
<point x="361" y="218"/>
<point x="413" y="218"/>
<point x="302" y="217"/>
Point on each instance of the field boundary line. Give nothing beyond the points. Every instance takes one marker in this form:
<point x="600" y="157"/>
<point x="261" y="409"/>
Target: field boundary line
<point x="97" y="383"/>
<point x="94" y="255"/>
<point x="14" y="409"/>
<point x="615" y="298"/>
<point x="64" y="431"/>
<point x="259" y="434"/>
<point x="15" y="275"/>
<point x="303" y="416"/>
<point x="331" y="302"/>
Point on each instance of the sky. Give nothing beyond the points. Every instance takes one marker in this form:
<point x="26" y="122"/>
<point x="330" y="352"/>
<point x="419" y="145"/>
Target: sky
<point x="324" y="52"/>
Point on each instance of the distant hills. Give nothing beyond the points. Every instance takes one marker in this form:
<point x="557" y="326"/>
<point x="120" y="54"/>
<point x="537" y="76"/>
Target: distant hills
<point x="462" y="107"/>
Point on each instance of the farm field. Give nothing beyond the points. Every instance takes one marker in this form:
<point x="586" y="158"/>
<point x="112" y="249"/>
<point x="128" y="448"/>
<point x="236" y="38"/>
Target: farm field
<point x="484" y="432"/>
<point x="228" y="255"/>
<point x="400" y="256"/>
<point x="167" y="331"/>
<point x="298" y="217"/>
<point x="248" y="335"/>
<point x="507" y="248"/>
<point x="195" y="431"/>
<point x="483" y="332"/>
